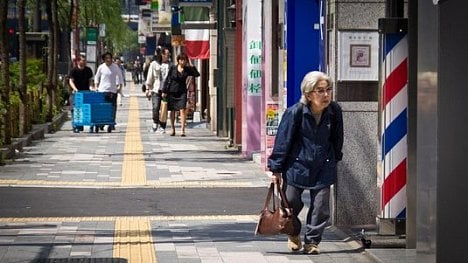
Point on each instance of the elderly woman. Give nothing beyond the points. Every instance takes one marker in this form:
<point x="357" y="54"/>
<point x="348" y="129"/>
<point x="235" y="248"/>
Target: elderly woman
<point x="307" y="148"/>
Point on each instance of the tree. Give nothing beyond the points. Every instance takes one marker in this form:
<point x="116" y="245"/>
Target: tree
<point x="51" y="82"/>
<point x="5" y="114"/>
<point x="65" y="17"/>
<point x="22" y="87"/>
<point x="118" y="35"/>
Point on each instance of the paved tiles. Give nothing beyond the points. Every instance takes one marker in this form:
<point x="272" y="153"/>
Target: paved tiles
<point x="215" y="239"/>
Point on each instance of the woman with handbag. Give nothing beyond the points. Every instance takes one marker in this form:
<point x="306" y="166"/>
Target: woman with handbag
<point x="175" y="90"/>
<point x="307" y="148"/>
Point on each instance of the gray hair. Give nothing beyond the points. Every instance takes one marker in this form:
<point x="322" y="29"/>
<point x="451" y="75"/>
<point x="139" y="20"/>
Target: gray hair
<point x="309" y="82"/>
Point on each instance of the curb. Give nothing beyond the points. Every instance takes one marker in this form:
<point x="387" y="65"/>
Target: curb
<point x="8" y="152"/>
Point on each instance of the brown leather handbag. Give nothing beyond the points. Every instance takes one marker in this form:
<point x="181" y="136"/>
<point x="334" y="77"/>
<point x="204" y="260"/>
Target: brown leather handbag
<point x="279" y="221"/>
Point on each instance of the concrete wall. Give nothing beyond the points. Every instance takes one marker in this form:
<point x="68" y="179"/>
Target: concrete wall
<point x="357" y="197"/>
<point x="356" y="192"/>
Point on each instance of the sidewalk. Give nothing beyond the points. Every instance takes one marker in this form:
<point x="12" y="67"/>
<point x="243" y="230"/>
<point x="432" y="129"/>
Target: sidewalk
<point x="133" y="156"/>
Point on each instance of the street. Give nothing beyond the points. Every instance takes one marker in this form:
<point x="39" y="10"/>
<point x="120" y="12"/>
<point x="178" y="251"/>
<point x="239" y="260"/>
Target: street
<point x="74" y="202"/>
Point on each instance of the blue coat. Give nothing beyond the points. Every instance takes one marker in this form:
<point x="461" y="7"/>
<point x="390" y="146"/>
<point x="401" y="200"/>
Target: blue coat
<point x="306" y="153"/>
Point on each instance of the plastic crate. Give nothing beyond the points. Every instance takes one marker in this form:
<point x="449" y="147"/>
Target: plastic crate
<point x="89" y="97"/>
<point x="93" y="114"/>
<point x="102" y="113"/>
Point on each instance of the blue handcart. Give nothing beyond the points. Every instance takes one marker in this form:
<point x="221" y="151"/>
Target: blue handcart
<point x="92" y="109"/>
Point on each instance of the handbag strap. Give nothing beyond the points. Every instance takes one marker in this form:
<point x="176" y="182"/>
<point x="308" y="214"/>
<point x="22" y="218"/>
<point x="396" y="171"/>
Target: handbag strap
<point x="268" y="197"/>
<point x="284" y="201"/>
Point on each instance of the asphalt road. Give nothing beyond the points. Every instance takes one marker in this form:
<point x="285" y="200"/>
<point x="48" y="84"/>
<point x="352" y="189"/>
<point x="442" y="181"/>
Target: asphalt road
<point x="74" y="202"/>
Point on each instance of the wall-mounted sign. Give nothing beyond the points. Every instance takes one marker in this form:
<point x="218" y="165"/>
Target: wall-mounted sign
<point x="358" y="56"/>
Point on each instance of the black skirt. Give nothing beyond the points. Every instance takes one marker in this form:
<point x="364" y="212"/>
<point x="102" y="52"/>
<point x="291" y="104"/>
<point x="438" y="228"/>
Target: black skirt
<point x="176" y="101"/>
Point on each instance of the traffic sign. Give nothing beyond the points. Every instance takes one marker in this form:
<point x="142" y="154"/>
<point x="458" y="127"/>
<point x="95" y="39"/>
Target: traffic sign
<point x="91" y="35"/>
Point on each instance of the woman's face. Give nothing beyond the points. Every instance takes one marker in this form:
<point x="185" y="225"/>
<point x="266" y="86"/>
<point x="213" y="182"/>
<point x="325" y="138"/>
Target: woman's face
<point x="182" y="61"/>
<point x="320" y="97"/>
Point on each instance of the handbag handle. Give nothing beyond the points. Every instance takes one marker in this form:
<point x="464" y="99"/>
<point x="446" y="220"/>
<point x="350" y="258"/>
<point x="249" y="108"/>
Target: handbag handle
<point x="283" y="203"/>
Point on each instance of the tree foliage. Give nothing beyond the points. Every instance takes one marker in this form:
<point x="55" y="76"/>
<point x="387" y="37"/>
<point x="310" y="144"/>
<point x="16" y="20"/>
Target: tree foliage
<point x="119" y="36"/>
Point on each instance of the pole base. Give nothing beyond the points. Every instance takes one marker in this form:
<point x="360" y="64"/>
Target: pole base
<point x="391" y="226"/>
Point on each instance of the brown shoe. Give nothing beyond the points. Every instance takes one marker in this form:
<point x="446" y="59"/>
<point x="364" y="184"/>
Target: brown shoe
<point x="311" y="249"/>
<point x="294" y="243"/>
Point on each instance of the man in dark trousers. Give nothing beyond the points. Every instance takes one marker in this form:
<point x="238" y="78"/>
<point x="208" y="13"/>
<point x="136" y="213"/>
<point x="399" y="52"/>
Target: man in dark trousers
<point x="157" y="74"/>
<point x="81" y="78"/>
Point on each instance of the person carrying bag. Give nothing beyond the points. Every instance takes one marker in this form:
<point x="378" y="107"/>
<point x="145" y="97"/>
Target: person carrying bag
<point x="308" y="146"/>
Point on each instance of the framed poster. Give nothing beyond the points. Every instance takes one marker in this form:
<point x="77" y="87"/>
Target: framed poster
<point x="360" y="56"/>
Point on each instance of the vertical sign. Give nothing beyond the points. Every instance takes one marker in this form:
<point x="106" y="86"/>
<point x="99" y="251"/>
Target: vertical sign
<point x="252" y="101"/>
<point x="254" y="68"/>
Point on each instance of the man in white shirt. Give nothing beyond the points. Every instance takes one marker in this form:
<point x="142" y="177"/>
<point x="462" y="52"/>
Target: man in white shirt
<point x="109" y="79"/>
<point x="157" y="74"/>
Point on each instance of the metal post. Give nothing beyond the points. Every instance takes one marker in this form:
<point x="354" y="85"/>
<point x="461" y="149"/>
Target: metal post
<point x="220" y="98"/>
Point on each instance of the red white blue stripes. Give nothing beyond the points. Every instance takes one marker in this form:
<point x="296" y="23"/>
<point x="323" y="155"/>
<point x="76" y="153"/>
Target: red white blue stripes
<point x="394" y="125"/>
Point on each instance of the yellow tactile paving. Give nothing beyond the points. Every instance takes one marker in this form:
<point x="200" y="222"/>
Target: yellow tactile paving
<point x="133" y="167"/>
<point x="133" y="240"/>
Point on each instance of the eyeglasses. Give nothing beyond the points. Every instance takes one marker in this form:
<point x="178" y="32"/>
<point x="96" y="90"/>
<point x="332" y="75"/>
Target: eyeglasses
<point x="323" y="91"/>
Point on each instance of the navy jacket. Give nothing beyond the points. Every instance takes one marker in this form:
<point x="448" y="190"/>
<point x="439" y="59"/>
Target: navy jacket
<point x="307" y="153"/>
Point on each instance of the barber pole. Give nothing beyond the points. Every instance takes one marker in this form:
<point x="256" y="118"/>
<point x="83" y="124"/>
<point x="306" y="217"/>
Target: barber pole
<point x="394" y="124"/>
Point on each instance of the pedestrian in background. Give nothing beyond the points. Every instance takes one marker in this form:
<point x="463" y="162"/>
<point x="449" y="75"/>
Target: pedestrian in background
<point x="81" y="79"/>
<point x="137" y="71"/>
<point x="307" y="148"/>
<point x="157" y="74"/>
<point x="108" y="79"/>
<point x="175" y="90"/>
<point x="120" y="95"/>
